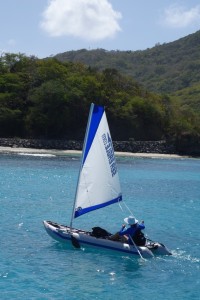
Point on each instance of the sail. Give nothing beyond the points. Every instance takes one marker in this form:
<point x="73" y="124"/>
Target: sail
<point x="98" y="183"/>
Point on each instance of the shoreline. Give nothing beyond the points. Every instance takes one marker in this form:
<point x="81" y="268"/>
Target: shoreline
<point x="55" y="152"/>
<point x="128" y="148"/>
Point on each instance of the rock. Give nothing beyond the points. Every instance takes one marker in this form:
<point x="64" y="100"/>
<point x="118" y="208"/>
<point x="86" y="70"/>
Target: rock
<point x="132" y="146"/>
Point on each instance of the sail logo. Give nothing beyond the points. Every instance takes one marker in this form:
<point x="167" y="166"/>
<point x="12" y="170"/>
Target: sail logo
<point x="110" y="153"/>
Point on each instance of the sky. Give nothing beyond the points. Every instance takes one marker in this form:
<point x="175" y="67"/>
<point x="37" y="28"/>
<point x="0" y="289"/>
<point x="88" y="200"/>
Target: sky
<point x="47" y="27"/>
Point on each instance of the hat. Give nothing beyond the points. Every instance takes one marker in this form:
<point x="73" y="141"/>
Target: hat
<point x="131" y="220"/>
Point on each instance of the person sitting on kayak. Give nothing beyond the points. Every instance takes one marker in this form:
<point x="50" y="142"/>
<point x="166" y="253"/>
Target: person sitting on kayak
<point x="133" y="233"/>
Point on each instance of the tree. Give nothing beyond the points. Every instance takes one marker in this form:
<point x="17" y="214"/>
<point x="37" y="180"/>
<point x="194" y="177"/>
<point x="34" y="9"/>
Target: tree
<point x="49" y="114"/>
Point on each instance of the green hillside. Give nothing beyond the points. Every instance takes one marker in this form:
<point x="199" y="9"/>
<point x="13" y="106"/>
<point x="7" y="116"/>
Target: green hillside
<point x="163" y="69"/>
<point x="47" y="98"/>
<point x="171" y="69"/>
<point x="149" y="95"/>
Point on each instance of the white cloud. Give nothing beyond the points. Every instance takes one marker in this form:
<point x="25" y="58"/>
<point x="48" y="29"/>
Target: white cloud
<point x="179" y="17"/>
<point x="86" y="19"/>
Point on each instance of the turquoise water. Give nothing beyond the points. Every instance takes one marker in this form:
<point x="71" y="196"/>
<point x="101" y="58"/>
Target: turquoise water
<point x="163" y="192"/>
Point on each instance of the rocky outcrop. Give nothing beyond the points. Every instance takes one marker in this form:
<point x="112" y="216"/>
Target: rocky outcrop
<point x="41" y="144"/>
<point x="188" y="144"/>
<point x="121" y="146"/>
<point x="145" y="147"/>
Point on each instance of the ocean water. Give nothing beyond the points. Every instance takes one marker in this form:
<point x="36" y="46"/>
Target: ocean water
<point x="165" y="193"/>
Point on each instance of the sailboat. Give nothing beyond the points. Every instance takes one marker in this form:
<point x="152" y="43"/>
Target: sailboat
<point x="98" y="186"/>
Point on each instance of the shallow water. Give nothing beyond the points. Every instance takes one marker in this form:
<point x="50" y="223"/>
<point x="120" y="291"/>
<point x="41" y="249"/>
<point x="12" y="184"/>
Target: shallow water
<point x="163" y="192"/>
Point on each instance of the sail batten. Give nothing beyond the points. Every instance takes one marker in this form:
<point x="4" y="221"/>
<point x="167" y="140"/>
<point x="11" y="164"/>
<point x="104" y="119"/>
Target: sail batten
<point x="98" y="184"/>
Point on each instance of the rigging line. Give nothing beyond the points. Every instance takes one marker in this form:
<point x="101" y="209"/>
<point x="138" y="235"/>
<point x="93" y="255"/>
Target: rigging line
<point x="120" y="206"/>
<point x="122" y="209"/>
<point x="127" y="207"/>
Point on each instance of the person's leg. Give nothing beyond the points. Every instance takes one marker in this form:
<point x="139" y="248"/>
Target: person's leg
<point x="117" y="237"/>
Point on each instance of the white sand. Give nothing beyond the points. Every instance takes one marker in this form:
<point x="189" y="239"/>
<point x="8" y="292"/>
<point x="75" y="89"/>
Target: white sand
<point x="52" y="152"/>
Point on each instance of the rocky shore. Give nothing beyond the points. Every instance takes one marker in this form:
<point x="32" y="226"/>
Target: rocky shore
<point x="158" y="147"/>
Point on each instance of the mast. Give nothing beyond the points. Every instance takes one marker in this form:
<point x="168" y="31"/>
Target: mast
<point x="82" y="159"/>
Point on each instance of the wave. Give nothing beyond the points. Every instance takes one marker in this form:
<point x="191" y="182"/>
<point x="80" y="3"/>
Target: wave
<point x="182" y="255"/>
<point x="37" y="154"/>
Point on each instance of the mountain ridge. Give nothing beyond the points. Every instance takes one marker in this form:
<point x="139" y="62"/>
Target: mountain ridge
<point x="163" y="68"/>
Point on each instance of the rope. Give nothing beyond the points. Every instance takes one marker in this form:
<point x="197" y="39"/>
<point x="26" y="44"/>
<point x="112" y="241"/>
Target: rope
<point x="126" y="206"/>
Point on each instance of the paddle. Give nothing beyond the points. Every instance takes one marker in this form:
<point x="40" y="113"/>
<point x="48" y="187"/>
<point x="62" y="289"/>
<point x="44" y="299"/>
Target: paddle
<point x="136" y="247"/>
<point x="75" y="242"/>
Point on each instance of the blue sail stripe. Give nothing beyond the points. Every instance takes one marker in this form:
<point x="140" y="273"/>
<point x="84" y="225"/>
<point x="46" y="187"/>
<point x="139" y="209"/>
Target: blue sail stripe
<point x="83" y="211"/>
<point x="97" y="114"/>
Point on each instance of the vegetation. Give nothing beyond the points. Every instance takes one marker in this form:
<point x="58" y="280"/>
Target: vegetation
<point x="162" y="69"/>
<point x="50" y="98"/>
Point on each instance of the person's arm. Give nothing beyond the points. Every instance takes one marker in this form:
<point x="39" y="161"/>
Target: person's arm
<point x="141" y="225"/>
<point x="124" y="231"/>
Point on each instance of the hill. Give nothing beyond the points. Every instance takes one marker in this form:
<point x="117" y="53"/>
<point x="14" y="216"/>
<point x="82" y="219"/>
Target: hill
<point x="171" y="69"/>
<point x="162" y="69"/>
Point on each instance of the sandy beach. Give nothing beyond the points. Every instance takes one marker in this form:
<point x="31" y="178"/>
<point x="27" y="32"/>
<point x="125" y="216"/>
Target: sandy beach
<point x="53" y="152"/>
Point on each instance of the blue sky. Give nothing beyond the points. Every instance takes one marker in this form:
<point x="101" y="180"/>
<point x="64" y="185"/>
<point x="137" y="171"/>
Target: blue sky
<point x="47" y="27"/>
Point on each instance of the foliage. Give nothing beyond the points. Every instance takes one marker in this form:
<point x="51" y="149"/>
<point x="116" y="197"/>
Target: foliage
<point x="163" y="69"/>
<point x="50" y="99"/>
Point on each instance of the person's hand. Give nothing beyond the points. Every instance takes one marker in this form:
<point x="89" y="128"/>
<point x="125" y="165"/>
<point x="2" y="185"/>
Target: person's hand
<point x="123" y="225"/>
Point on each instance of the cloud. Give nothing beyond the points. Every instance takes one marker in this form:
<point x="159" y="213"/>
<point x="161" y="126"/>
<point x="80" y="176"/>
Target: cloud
<point x="179" y="17"/>
<point x="87" y="19"/>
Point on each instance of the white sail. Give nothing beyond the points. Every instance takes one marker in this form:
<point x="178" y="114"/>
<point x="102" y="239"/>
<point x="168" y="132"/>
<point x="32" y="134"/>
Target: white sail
<point x="98" y="183"/>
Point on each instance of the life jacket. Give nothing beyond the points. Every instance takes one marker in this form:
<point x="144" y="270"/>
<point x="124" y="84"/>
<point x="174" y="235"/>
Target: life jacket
<point x="139" y="238"/>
